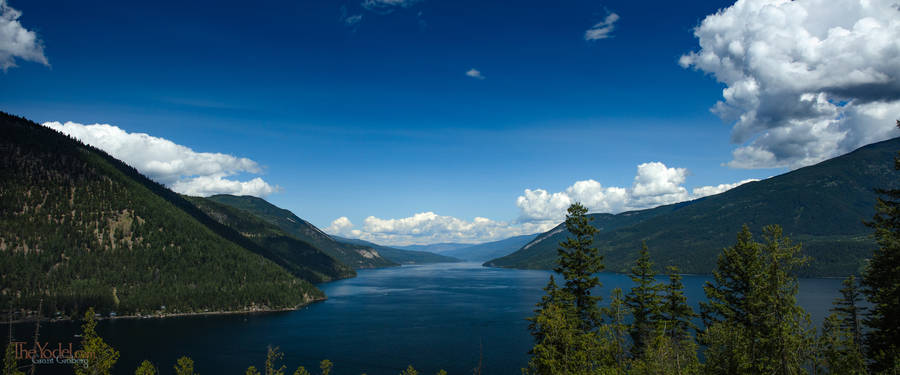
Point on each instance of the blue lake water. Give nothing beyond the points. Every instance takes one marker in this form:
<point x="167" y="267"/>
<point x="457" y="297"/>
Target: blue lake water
<point x="442" y="316"/>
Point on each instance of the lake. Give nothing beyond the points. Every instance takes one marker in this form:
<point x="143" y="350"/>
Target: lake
<point x="441" y="316"/>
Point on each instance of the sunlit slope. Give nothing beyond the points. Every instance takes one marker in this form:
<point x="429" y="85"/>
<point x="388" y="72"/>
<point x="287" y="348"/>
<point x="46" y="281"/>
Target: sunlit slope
<point x="355" y="256"/>
<point x="822" y="206"/>
<point x="298" y="257"/>
<point x="79" y="228"/>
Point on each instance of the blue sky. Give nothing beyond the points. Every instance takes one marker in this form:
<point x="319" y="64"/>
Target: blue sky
<point x="364" y="108"/>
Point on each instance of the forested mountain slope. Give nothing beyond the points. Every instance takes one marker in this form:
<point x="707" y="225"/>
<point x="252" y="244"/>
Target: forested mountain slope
<point x="355" y="256"/>
<point x="298" y="257"/>
<point x="822" y="206"/>
<point x="79" y="228"/>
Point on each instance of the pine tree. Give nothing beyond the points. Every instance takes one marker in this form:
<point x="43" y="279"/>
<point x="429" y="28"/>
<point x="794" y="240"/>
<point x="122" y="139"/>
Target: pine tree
<point x="736" y="269"/>
<point x="10" y="364"/>
<point x="273" y="356"/>
<point x="326" y="366"/>
<point x="881" y="282"/>
<point x="644" y="302"/>
<point x="102" y="357"/>
<point x="676" y="314"/>
<point x="847" y="308"/>
<point x="301" y="371"/>
<point x="837" y="351"/>
<point x="578" y="261"/>
<point x="552" y="296"/>
<point x="409" y="371"/>
<point x="616" y="330"/>
<point x="184" y="366"/>
<point x="146" y="368"/>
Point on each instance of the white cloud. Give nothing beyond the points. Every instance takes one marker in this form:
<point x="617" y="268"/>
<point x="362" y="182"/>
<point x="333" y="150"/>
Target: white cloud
<point x="603" y="29"/>
<point x="174" y="165"/>
<point x="428" y="227"/>
<point x="655" y="184"/>
<point x="805" y="80"/>
<point x="387" y="6"/>
<point x="474" y="73"/>
<point x="351" y="21"/>
<point x="16" y="41"/>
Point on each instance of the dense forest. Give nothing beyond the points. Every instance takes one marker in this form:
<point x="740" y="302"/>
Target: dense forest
<point x="356" y="256"/>
<point x="298" y="257"/>
<point x="79" y="228"/>
<point x="822" y="206"/>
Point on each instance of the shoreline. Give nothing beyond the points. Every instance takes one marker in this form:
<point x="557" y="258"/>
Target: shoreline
<point x="169" y="315"/>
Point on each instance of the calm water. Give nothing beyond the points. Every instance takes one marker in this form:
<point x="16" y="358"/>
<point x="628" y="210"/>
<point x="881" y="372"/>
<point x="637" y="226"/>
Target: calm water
<point x="435" y="316"/>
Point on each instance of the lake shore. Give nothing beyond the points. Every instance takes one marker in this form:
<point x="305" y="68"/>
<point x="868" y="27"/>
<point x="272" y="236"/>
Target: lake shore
<point x="164" y="315"/>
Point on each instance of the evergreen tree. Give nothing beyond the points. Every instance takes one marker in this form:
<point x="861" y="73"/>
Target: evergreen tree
<point x="10" y="364"/>
<point x="837" y="351"/>
<point x="847" y="308"/>
<point x="676" y="314"/>
<point x="881" y="282"/>
<point x="146" y="368"/>
<point x="273" y="356"/>
<point x="753" y="321"/>
<point x="252" y="371"/>
<point x="102" y="357"/>
<point x="301" y="371"/>
<point x="578" y="261"/>
<point x="326" y="366"/>
<point x="565" y="348"/>
<point x="184" y="366"/>
<point x="737" y="267"/>
<point x="409" y="371"/>
<point x="644" y="301"/>
<point x="616" y="331"/>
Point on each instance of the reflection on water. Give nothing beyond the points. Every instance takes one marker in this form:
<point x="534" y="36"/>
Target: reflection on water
<point x="433" y="317"/>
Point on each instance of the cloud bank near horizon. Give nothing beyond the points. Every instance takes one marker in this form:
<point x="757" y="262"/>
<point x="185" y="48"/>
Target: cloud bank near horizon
<point x="180" y="168"/>
<point x="654" y="185"/>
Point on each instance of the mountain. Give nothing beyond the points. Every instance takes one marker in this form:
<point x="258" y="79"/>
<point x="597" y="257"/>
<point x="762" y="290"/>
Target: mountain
<point x="435" y="248"/>
<point x="490" y="250"/>
<point x="822" y="206"/>
<point x="80" y="228"/>
<point x="355" y="256"/>
<point x="298" y="257"/>
<point x="401" y="256"/>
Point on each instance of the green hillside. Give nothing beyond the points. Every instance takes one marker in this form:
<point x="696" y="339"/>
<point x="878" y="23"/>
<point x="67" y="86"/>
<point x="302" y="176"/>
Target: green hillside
<point x="79" y="228"/>
<point x="491" y="250"/>
<point x="355" y="256"/>
<point x="401" y="256"/>
<point x="822" y="206"/>
<point x="298" y="257"/>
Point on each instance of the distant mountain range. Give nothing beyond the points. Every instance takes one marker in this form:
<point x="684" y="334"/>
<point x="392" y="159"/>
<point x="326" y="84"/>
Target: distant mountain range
<point x="490" y="250"/>
<point x="823" y="207"/>
<point x="435" y="248"/>
<point x="399" y="255"/>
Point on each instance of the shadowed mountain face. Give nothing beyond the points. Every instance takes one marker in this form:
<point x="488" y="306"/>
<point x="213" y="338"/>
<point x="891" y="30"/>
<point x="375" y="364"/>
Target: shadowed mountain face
<point x="355" y="256"/>
<point x="79" y="228"/>
<point x="823" y="207"/>
<point x="298" y="257"/>
<point x="401" y="256"/>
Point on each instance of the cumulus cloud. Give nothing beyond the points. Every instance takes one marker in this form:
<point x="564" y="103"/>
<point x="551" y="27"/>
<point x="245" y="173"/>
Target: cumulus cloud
<point x="602" y="29"/>
<point x="428" y="227"/>
<point x="387" y="6"/>
<point x="16" y="41"/>
<point x="474" y="73"/>
<point x="174" y="165"/>
<point x="654" y="184"/>
<point x="805" y="80"/>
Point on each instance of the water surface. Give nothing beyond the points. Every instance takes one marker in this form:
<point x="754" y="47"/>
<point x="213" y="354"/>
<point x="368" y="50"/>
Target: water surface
<point x="442" y="316"/>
